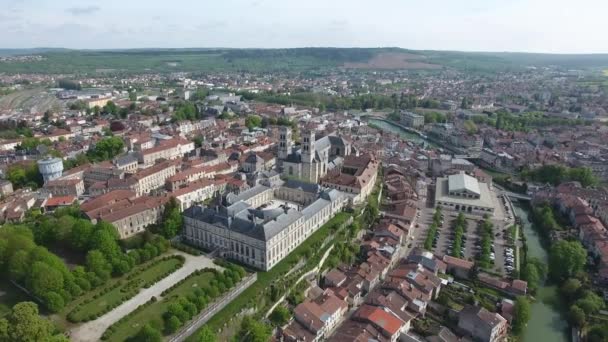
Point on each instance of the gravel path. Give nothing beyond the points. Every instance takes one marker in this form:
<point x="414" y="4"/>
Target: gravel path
<point x="92" y="331"/>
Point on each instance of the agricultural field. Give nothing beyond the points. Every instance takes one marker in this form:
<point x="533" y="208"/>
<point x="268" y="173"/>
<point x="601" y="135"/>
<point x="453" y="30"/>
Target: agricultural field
<point x="285" y="60"/>
<point x="394" y="60"/>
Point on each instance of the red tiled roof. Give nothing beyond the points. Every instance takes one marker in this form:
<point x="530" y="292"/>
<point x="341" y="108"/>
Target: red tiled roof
<point x="385" y="321"/>
<point x="60" y="200"/>
<point x="461" y="263"/>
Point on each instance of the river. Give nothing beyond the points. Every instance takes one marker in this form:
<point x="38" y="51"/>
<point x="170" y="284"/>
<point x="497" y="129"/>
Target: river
<point x="385" y="126"/>
<point x="546" y="323"/>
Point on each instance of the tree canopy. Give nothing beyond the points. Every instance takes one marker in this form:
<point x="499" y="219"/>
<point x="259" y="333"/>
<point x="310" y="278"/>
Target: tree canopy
<point x="566" y="259"/>
<point x="171" y="220"/>
<point x="557" y="174"/>
<point x="105" y="149"/>
<point x="24" y="175"/>
<point x="253" y="121"/>
<point x="24" y="324"/>
<point x="521" y="313"/>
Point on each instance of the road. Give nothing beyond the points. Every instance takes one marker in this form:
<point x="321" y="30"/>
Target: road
<point x="92" y="331"/>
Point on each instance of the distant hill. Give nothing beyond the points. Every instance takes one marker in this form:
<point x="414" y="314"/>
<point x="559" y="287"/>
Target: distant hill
<point x="32" y="51"/>
<point x="284" y="60"/>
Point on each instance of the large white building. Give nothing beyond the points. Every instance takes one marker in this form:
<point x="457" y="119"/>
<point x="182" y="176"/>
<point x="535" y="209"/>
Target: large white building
<point x="410" y="119"/>
<point x="262" y="225"/>
<point x="461" y="192"/>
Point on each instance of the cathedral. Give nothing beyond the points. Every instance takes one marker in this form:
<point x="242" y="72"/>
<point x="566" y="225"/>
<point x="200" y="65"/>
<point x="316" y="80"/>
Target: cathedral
<point x="314" y="159"/>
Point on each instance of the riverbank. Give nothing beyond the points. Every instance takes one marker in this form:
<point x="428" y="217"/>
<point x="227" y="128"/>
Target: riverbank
<point x="546" y="320"/>
<point x="388" y="126"/>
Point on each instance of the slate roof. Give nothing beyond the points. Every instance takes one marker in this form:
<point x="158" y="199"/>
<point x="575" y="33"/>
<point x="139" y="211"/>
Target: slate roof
<point x="462" y="181"/>
<point x="303" y="186"/>
<point x="240" y="218"/>
<point x="126" y="159"/>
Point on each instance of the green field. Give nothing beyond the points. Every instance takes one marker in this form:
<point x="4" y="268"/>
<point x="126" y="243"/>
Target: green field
<point x="153" y="314"/>
<point x="125" y="289"/>
<point x="193" y="60"/>
<point x="313" y="60"/>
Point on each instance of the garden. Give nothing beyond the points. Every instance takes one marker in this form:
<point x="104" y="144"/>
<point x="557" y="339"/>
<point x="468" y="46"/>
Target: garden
<point x="268" y="287"/>
<point x="178" y="305"/>
<point x="108" y="298"/>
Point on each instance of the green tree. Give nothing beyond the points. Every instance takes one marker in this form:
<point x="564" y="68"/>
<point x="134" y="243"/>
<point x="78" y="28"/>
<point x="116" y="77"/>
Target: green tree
<point x="172" y="219"/>
<point x="465" y="104"/>
<point x="25" y="325"/>
<point x="566" y="259"/>
<point x="590" y="303"/>
<point x="19" y="265"/>
<point x="22" y="175"/>
<point x="133" y="95"/>
<point x="533" y="272"/>
<point x="571" y="287"/>
<point x="598" y="333"/>
<point x="53" y="301"/>
<point x="577" y="316"/>
<point x="110" y="108"/>
<point x="521" y="313"/>
<point x="206" y="335"/>
<point x="104" y="241"/>
<point x="98" y="264"/>
<point x="172" y="324"/>
<point x="107" y="148"/>
<point x="44" y="279"/>
<point x="147" y="334"/>
<point x="556" y="174"/>
<point x="176" y="309"/>
<point x="255" y="331"/>
<point x="80" y="235"/>
<point x="470" y="127"/>
<point x="253" y="121"/>
<point x="280" y="316"/>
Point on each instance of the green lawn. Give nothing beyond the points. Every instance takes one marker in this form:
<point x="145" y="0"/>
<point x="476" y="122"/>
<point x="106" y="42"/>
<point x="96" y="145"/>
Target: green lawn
<point x="255" y="294"/>
<point x="127" y="289"/>
<point x="9" y="296"/>
<point x="153" y="314"/>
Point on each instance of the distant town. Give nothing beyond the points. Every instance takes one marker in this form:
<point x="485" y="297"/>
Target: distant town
<point x="363" y="203"/>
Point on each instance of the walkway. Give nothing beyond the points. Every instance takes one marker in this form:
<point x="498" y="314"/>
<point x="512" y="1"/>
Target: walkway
<point x="92" y="331"/>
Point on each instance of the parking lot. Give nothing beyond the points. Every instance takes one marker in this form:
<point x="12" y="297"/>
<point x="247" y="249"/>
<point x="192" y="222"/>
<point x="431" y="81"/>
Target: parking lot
<point x="503" y="255"/>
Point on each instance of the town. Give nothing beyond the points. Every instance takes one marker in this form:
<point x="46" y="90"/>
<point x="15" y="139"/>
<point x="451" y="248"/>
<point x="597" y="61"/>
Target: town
<point x="345" y="205"/>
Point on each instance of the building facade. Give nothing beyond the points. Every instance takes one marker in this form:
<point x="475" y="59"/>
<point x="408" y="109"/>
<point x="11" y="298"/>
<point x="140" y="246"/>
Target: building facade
<point x="258" y="227"/>
<point x="315" y="158"/>
<point x="413" y="120"/>
<point x="463" y="193"/>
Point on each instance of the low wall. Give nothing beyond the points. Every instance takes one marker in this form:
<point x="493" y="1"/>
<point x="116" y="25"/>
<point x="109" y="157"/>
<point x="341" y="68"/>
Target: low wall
<point x="212" y="309"/>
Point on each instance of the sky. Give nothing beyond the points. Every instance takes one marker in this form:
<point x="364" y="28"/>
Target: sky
<point x="552" y="26"/>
